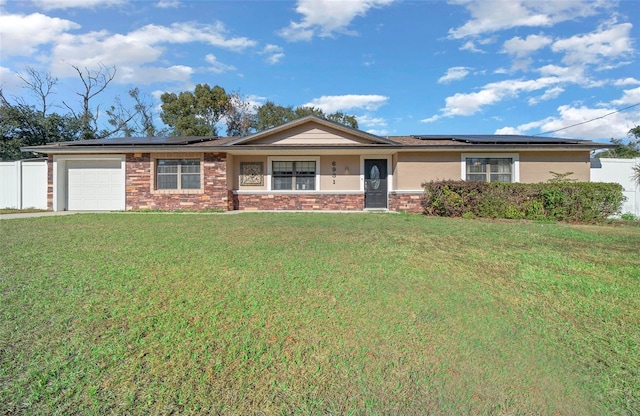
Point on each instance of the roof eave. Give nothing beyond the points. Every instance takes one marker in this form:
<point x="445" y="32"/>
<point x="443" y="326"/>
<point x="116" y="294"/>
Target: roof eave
<point x="275" y="148"/>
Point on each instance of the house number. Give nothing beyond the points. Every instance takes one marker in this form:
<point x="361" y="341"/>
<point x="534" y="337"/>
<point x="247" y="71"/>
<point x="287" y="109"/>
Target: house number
<point x="333" y="171"/>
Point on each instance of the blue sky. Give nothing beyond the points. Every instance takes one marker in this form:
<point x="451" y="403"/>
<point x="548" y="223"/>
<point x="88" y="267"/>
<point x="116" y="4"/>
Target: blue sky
<point x="402" y="67"/>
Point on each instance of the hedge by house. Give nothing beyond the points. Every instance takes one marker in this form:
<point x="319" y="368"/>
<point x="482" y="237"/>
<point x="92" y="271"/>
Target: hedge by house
<point x="563" y="201"/>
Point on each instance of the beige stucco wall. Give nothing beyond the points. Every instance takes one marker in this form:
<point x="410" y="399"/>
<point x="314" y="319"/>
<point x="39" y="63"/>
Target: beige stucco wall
<point x="412" y="169"/>
<point x="537" y="166"/>
<point x="347" y="174"/>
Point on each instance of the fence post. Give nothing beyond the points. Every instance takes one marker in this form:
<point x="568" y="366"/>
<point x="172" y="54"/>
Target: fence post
<point x="19" y="187"/>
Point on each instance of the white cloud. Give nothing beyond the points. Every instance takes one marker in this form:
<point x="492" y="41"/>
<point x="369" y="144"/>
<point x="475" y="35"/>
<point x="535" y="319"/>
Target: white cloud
<point x="69" y="4"/>
<point x="368" y="60"/>
<point x="168" y="4"/>
<point x="496" y="15"/>
<point x="214" y="34"/>
<point x="325" y="17"/>
<point x="549" y="94"/>
<point x="368" y="121"/>
<point x="152" y="74"/>
<point x="468" y="104"/>
<point x="455" y="73"/>
<point x="378" y="132"/>
<point x="592" y="48"/>
<point x="471" y="47"/>
<point x="255" y="100"/>
<point x="629" y="97"/>
<point x="614" y="125"/>
<point x="216" y="66"/>
<point x="274" y="53"/>
<point x="333" y="103"/>
<point x="590" y="123"/>
<point x="10" y="83"/>
<point x="520" y="48"/>
<point x="627" y="81"/>
<point x="133" y="52"/>
<point x="22" y="34"/>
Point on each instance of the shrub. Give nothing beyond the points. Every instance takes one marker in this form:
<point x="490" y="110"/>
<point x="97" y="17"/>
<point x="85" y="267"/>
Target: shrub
<point x="559" y="200"/>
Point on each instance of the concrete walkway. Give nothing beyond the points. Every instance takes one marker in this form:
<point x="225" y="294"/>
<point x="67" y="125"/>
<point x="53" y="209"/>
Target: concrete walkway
<point x="54" y="213"/>
<point x="36" y="214"/>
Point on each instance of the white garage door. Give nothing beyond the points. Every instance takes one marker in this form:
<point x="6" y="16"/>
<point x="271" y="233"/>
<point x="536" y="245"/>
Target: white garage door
<point x="95" y="185"/>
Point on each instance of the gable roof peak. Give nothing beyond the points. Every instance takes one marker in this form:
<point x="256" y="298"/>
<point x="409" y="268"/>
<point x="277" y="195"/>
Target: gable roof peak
<point x="311" y="119"/>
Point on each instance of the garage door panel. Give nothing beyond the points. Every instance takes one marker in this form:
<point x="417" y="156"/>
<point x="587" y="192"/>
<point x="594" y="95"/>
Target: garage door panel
<point x="95" y="185"/>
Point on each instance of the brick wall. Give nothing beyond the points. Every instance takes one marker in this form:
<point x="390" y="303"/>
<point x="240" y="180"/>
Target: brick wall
<point x="307" y="202"/>
<point x="405" y="202"/>
<point x="140" y="194"/>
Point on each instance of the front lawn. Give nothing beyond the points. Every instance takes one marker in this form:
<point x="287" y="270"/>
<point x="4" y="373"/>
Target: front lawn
<point x="274" y="313"/>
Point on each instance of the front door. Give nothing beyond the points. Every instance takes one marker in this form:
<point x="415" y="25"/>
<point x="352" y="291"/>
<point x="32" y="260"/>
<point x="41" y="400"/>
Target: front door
<point x="375" y="183"/>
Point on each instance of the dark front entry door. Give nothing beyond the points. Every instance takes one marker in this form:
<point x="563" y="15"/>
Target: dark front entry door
<point x="375" y="183"/>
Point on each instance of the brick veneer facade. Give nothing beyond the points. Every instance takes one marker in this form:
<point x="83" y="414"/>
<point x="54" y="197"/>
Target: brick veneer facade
<point x="406" y="202"/>
<point x="140" y="193"/>
<point x="307" y="202"/>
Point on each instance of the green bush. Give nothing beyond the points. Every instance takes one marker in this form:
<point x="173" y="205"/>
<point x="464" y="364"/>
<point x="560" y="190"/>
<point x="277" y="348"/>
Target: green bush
<point x="627" y="216"/>
<point x="562" y="201"/>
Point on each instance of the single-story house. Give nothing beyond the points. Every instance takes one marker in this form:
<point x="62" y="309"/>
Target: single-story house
<point x="306" y="164"/>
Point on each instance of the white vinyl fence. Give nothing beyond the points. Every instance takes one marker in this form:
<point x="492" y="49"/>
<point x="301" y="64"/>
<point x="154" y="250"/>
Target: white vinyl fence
<point x="620" y="171"/>
<point x="23" y="184"/>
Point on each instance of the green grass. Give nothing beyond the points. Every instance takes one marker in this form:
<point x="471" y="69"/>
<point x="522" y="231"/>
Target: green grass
<point x="317" y="314"/>
<point x="20" y="211"/>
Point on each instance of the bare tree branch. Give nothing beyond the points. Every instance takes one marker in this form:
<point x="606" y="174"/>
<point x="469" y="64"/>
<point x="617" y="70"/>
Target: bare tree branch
<point x="94" y="82"/>
<point x="40" y="85"/>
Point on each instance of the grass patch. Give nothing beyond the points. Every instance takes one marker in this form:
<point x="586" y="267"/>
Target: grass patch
<point x="20" y="211"/>
<point x="317" y="314"/>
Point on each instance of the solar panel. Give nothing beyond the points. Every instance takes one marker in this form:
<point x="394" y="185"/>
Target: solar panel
<point x="501" y="139"/>
<point x="141" y="141"/>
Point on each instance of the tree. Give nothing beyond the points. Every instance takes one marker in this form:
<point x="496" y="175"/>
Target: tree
<point x="636" y="175"/>
<point x="195" y="113"/>
<point x="24" y="125"/>
<point x="624" y="150"/>
<point x="39" y="85"/>
<point x="241" y="116"/>
<point x="347" y="120"/>
<point x="94" y="82"/>
<point x="270" y="115"/>
<point x="136" y="121"/>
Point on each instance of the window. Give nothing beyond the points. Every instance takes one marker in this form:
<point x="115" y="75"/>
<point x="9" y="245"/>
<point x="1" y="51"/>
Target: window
<point x="177" y="174"/>
<point x="293" y="175"/>
<point x="489" y="169"/>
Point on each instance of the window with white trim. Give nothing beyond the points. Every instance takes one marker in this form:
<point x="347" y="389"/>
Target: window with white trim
<point x="177" y="174"/>
<point x="293" y="175"/>
<point x="489" y="169"/>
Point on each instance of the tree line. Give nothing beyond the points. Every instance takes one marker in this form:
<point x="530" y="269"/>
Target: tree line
<point x="189" y="113"/>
